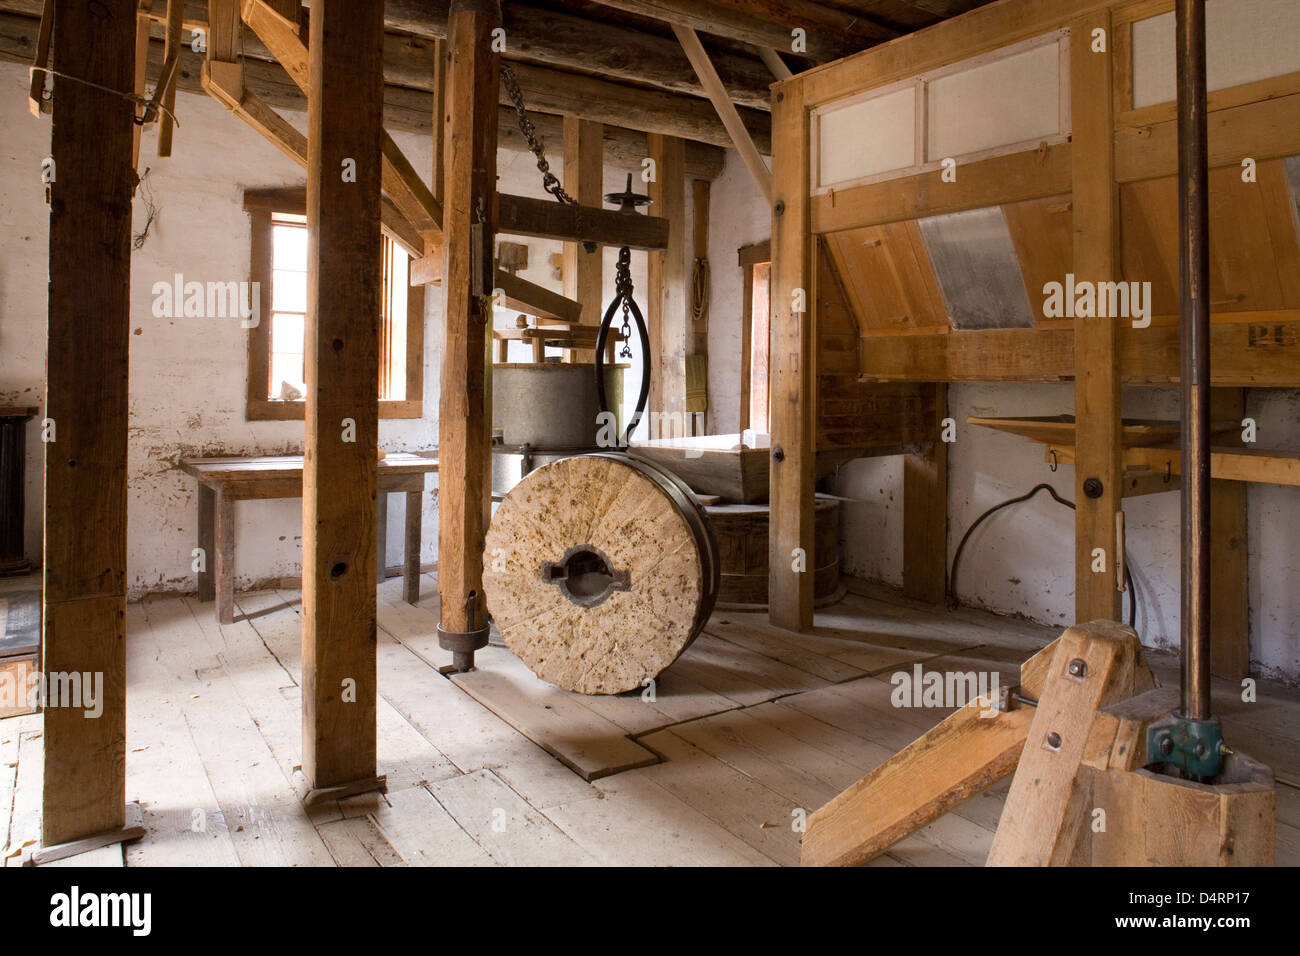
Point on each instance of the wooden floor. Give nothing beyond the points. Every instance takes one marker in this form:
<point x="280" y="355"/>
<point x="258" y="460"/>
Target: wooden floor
<point x="750" y="727"/>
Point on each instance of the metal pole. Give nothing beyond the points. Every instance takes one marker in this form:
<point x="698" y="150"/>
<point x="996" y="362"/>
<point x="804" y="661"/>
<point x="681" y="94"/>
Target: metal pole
<point x="1194" y="346"/>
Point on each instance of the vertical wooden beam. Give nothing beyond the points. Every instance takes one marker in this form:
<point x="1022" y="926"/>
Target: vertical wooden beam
<point x="84" y="789"/>
<point x="439" y="117"/>
<point x="925" y="516"/>
<point x="464" y="440"/>
<point x="584" y="170"/>
<point x="792" y="370"/>
<point x="698" y="337"/>
<point x="172" y="43"/>
<point x="666" y="316"/>
<point x="141" y="66"/>
<point x="1096" y="355"/>
<point x="344" y="115"/>
<point x="1229" y="596"/>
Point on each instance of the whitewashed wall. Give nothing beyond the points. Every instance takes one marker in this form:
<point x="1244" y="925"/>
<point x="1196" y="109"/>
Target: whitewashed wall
<point x="1021" y="561"/>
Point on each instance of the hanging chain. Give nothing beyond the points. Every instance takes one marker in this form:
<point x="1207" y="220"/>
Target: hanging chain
<point x="550" y="182"/>
<point x="623" y="289"/>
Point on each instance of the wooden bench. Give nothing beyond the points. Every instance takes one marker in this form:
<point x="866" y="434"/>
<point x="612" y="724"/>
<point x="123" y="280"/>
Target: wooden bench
<point x="223" y="481"/>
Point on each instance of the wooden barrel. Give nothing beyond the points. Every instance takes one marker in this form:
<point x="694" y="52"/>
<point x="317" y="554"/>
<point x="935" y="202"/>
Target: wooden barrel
<point x="742" y="532"/>
<point x="599" y="570"/>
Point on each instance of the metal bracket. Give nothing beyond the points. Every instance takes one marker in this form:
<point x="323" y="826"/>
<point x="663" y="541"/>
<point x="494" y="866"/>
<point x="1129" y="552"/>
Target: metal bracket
<point x="1195" y="747"/>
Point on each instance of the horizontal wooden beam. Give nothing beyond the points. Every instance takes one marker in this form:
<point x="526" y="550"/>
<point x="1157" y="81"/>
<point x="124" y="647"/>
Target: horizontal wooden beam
<point x="537" y="300"/>
<point x="406" y="109"/>
<point x="989" y="182"/>
<point x="554" y="38"/>
<point x="1243" y="356"/>
<point x="526" y="216"/>
<point x="829" y="33"/>
<point x="1265" y="130"/>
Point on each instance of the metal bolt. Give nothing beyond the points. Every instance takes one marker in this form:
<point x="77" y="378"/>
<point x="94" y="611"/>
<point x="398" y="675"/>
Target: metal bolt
<point x="780" y="207"/>
<point x="1092" y="487"/>
<point x="778" y="453"/>
<point x="1078" y="667"/>
<point x="1054" y="740"/>
<point x="1166" y="745"/>
<point x="1200" y="748"/>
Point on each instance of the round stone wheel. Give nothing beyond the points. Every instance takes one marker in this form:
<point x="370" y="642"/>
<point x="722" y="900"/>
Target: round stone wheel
<point x="599" y="570"/>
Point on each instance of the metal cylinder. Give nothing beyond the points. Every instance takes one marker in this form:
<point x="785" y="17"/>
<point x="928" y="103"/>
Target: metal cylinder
<point x="1194" y="345"/>
<point x="550" y="406"/>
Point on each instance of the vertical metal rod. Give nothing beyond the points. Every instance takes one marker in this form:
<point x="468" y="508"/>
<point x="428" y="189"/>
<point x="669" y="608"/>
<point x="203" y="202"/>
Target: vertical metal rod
<point x="1194" y="345"/>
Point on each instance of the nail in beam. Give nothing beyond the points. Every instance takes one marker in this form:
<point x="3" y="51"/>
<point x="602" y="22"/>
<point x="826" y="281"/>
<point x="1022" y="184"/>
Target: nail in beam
<point x="344" y="119"/>
<point x="86" y="396"/>
<point x="464" y="448"/>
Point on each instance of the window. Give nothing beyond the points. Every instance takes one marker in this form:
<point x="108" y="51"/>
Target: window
<point x="756" y="262"/>
<point x="277" y="345"/>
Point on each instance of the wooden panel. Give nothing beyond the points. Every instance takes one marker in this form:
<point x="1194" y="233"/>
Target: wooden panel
<point x="1042" y="230"/>
<point x="345" y="113"/>
<point x="888" y="278"/>
<point x="666" y="316"/>
<point x="86" y="396"/>
<point x="1096" y="340"/>
<point x="464" y="501"/>
<point x="1254" y="250"/>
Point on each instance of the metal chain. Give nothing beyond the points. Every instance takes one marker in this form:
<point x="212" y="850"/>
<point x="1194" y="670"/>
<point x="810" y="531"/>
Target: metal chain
<point x="623" y="289"/>
<point x="549" y="180"/>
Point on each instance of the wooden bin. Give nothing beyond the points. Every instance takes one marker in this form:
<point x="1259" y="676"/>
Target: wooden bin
<point x="742" y="550"/>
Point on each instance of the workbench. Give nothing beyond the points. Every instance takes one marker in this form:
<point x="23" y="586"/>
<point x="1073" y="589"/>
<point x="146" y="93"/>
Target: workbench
<point x="223" y="481"/>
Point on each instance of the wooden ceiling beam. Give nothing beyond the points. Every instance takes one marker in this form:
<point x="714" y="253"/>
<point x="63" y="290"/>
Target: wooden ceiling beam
<point x="829" y="33"/>
<point x="405" y="109"/>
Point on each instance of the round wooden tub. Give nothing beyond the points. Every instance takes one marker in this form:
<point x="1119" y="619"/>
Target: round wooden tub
<point x="742" y="551"/>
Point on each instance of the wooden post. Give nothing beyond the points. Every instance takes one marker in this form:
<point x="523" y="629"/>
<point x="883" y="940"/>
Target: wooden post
<point x="344" y="117"/>
<point x="464" y="493"/>
<point x="1099" y="456"/>
<point x="791" y="368"/>
<point x="666" y="316"/>
<point x="86" y="396"/>
<point x="584" y="170"/>
<point x="925" y="516"/>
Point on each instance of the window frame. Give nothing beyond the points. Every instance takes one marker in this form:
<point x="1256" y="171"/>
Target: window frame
<point x="260" y="204"/>
<point x="749" y="257"/>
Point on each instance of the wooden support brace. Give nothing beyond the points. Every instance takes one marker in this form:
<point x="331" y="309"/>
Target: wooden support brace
<point x="727" y="111"/>
<point x="536" y="300"/>
<point x="171" y="49"/>
<point x="584" y="157"/>
<point x="1094" y="664"/>
<point x="36" y="88"/>
<point x="400" y="180"/>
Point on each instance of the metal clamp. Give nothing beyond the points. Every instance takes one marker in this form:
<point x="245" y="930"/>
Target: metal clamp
<point x="1195" y="747"/>
<point x="463" y="644"/>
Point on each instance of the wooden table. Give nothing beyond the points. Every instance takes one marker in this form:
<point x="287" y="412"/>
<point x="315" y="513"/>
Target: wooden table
<point x="223" y="481"/>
